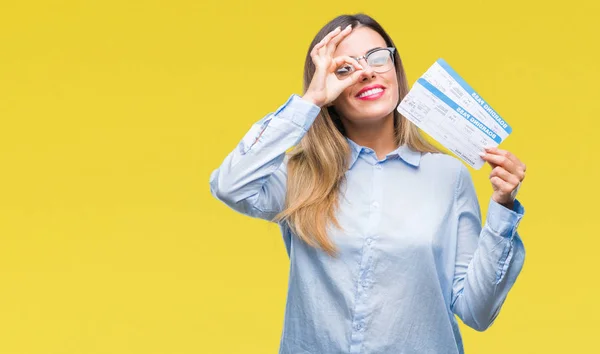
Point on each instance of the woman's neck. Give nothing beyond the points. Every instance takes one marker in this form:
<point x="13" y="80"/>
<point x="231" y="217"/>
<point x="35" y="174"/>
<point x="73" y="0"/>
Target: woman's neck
<point x="378" y="135"/>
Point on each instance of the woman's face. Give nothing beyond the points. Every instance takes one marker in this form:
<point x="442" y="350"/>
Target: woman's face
<point x="374" y="107"/>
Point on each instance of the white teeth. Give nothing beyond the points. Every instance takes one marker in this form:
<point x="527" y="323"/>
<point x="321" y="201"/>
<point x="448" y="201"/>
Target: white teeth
<point x="370" y="92"/>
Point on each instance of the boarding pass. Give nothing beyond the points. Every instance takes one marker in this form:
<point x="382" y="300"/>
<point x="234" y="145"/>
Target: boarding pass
<point x="443" y="105"/>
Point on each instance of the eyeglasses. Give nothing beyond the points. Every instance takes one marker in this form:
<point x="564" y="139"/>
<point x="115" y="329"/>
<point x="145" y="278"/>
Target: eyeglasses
<point x="380" y="59"/>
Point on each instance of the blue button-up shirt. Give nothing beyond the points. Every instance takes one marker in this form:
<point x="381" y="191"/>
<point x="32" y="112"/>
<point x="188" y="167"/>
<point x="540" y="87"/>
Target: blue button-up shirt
<point x="412" y="251"/>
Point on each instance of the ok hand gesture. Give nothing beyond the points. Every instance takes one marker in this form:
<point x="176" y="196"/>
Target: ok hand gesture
<point x="325" y="86"/>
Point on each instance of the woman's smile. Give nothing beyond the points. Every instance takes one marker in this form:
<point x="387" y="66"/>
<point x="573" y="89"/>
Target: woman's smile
<point x="371" y="93"/>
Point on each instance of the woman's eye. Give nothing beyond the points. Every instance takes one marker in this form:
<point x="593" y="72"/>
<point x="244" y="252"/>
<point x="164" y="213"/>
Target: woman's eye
<point x="378" y="61"/>
<point x="344" y="70"/>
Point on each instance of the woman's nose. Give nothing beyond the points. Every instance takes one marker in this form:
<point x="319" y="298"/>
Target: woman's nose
<point x="368" y="71"/>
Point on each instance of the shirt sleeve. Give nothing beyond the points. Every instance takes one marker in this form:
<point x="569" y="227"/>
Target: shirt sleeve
<point x="252" y="178"/>
<point x="488" y="259"/>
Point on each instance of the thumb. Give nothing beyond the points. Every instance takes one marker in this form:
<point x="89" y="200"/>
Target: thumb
<point x="349" y="81"/>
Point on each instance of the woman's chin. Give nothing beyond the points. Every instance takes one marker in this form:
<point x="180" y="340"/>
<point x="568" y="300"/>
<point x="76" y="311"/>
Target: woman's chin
<point x="375" y="113"/>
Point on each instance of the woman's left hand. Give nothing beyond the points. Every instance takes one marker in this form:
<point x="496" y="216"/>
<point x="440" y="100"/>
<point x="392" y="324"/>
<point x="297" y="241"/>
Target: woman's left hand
<point x="507" y="174"/>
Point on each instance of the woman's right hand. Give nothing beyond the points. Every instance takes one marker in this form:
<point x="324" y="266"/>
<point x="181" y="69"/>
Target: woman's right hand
<point x="325" y="86"/>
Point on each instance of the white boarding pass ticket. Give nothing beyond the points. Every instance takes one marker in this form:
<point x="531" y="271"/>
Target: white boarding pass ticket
<point x="445" y="79"/>
<point x="449" y="122"/>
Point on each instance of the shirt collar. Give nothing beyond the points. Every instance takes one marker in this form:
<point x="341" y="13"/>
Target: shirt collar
<point x="408" y="155"/>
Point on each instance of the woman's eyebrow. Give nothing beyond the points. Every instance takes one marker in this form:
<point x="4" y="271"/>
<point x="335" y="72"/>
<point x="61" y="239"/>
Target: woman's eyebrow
<point x="372" y="49"/>
<point x="356" y="56"/>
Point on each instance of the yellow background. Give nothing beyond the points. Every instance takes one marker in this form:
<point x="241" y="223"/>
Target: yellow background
<point x="114" y="113"/>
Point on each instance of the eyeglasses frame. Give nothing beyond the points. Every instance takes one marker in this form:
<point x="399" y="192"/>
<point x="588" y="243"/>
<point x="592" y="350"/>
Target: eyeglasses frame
<point x="389" y="49"/>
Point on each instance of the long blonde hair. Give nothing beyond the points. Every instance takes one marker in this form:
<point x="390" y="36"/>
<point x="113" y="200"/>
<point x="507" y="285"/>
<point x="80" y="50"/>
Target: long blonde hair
<point x="317" y="165"/>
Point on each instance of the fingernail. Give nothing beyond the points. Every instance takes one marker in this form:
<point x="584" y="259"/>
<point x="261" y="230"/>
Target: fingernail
<point x="482" y="154"/>
<point x="338" y="28"/>
<point x="349" y="26"/>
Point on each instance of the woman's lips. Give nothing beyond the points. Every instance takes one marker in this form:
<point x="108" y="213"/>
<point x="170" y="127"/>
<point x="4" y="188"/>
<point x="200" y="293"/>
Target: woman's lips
<point x="372" y="96"/>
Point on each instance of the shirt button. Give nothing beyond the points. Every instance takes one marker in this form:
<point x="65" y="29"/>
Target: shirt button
<point x="358" y="326"/>
<point x="378" y="167"/>
<point x="375" y="205"/>
<point x="369" y="241"/>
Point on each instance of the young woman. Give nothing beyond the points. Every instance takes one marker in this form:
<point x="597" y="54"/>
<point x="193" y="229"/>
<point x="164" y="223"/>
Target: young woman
<point x="383" y="231"/>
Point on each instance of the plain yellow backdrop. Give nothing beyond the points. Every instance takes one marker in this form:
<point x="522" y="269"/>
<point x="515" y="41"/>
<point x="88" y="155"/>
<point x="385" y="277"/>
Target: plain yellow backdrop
<point x="114" y="113"/>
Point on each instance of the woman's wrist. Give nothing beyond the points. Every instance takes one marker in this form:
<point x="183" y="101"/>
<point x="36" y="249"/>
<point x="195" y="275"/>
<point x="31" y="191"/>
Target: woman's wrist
<point x="308" y="97"/>
<point x="507" y="203"/>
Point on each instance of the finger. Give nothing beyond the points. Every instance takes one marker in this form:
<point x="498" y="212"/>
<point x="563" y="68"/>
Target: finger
<point x="520" y="166"/>
<point x="329" y="36"/>
<point x="324" y="41"/>
<point x="508" y="154"/>
<point x="497" y="151"/>
<point x="344" y="59"/>
<point x="333" y="43"/>
<point x="350" y="80"/>
<point x="353" y="78"/>
<point x="501" y="185"/>
<point x="505" y="176"/>
<point x="500" y="160"/>
<point x="315" y="48"/>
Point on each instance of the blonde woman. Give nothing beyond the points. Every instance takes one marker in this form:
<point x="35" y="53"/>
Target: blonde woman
<point x="382" y="230"/>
